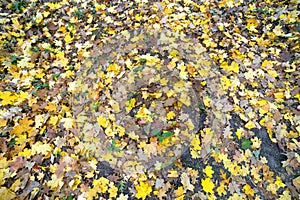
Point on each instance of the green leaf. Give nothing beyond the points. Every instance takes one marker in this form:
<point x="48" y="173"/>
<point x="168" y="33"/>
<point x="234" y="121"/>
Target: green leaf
<point x="160" y="138"/>
<point x="55" y="76"/>
<point x="70" y="198"/>
<point x="155" y="131"/>
<point x="167" y="134"/>
<point x="121" y="186"/>
<point x="246" y="144"/>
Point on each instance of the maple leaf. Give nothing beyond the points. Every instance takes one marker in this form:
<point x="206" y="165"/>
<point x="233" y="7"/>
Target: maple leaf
<point x="7" y="194"/>
<point x="123" y="197"/>
<point x="208" y="171"/>
<point x="101" y="184"/>
<point x="143" y="190"/>
<point x="8" y="97"/>
<point x="113" y="190"/>
<point x="171" y="115"/>
<point x="185" y="180"/>
<point x="68" y="123"/>
<point x="248" y="190"/>
<point x="208" y="185"/>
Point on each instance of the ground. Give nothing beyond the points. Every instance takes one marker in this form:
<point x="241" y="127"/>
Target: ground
<point x="143" y="99"/>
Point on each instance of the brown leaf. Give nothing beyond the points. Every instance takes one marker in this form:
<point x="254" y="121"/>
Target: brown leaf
<point x="17" y="164"/>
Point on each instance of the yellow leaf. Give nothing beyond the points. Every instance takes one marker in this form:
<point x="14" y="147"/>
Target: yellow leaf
<point x="143" y="190"/>
<point x="195" y="143"/>
<point x="208" y="185"/>
<point x="8" y="98"/>
<point x="38" y="17"/>
<point x="267" y="64"/>
<point x="278" y="31"/>
<point x="279" y="182"/>
<point x="115" y="106"/>
<point x="55" y="183"/>
<point x="68" y="123"/>
<point x="221" y="190"/>
<point x="39" y="147"/>
<point x="102" y="121"/>
<point x="101" y="184"/>
<point x="172" y="174"/>
<point x="234" y="67"/>
<point x="25" y="153"/>
<point x="208" y="171"/>
<point x="100" y="7"/>
<point x="72" y="86"/>
<point x="113" y="191"/>
<point x="225" y="82"/>
<point x="7" y="194"/>
<point x="51" y="107"/>
<point x="21" y="139"/>
<point x="46" y="13"/>
<point x="238" y="133"/>
<point x="171" y="115"/>
<point x="252" y="24"/>
<point x="248" y="190"/>
<point x="3" y="122"/>
<point x="190" y="124"/>
<point x="206" y="101"/>
<point x="68" y="38"/>
<point x="74" y="183"/>
<point x="250" y="125"/>
<point x="279" y="95"/>
<point x="123" y="197"/>
<point x="273" y="73"/>
<point x="179" y="192"/>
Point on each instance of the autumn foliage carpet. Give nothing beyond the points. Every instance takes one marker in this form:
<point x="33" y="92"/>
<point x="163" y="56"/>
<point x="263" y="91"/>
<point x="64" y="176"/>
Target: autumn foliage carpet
<point x="179" y="99"/>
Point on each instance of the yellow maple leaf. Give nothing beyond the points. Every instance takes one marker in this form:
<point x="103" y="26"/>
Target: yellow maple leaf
<point x="38" y="17"/>
<point x="208" y="185"/>
<point x="250" y="125"/>
<point x="55" y="183"/>
<point x="25" y="153"/>
<point x="68" y="123"/>
<point x="8" y="97"/>
<point x="143" y="190"/>
<point x="68" y="38"/>
<point x="39" y="147"/>
<point x="171" y="115"/>
<point x="7" y="193"/>
<point x="207" y="101"/>
<point x="179" y="192"/>
<point x="51" y="106"/>
<point x="248" y="190"/>
<point x="172" y="174"/>
<point x="195" y="143"/>
<point x="234" y="67"/>
<point x="208" y="171"/>
<point x="101" y="184"/>
<point x="130" y="104"/>
<point x="279" y="182"/>
<point x="252" y="24"/>
<point x="238" y="133"/>
<point x="221" y="189"/>
<point x="102" y="121"/>
<point x="113" y="191"/>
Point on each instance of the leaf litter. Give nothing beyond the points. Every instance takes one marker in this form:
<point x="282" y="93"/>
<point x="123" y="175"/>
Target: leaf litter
<point x="212" y="84"/>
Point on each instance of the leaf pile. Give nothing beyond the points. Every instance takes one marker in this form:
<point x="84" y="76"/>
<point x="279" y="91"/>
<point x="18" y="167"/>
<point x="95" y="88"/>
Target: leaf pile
<point x="66" y="88"/>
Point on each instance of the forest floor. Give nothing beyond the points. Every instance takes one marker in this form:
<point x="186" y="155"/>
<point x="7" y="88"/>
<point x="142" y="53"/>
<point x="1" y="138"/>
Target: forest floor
<point x="179" y="99"/>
